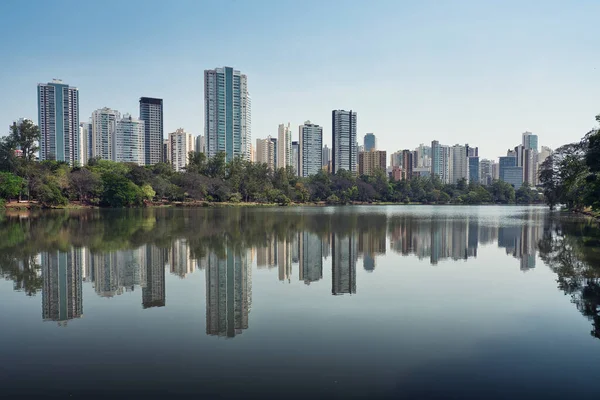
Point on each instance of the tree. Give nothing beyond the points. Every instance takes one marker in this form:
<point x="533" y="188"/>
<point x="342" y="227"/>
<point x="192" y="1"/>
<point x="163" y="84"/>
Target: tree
<point x="25" y="136"/>
<point x="10" y="185"/>
<point x="118" y="191"/>
<point x="85" y="183"/>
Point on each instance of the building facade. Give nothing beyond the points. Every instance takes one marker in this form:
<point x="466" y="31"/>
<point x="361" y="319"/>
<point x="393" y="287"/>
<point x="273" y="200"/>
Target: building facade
<point x="295" y="160"/>
<point x="474" y="169"/>
<point x="151" y="112"/>
<point x="181" y="144"/>
<point x="227" y="113"/>
<point x="371" y="161"/>
<point x="370" y="142"/>
<point x="58" y="120"/>
<point x="104" y="126"/>
<point x="265" y="152"/>
<point x="459" y="163"/>
<point x="344" y="141"/>
<point x="128" y="141"/>
<point x="311" y="149"/>
<point x="284" y="145"/>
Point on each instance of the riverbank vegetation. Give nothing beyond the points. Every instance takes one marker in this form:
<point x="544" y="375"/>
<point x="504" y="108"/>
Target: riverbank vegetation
<point x="110" y="184"/>
<point x="571" y="175"/>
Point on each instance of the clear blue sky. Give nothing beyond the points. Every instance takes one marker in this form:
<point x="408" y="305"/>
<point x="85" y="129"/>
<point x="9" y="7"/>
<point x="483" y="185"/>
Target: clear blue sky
<point x="477" y="72"/>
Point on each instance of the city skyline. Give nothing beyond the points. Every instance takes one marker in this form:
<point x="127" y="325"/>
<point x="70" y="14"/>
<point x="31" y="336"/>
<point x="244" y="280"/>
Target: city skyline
<point x="433" y="62"/>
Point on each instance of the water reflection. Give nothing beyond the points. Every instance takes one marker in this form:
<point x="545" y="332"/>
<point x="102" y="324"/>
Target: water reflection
<point x="132" y="251"/>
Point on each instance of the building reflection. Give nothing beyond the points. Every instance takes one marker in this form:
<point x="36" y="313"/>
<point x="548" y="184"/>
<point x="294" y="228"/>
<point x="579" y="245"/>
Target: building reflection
<point x="310" y="247"/>
<point x="62" y="298"/>
<point x="228" y="265"/>
<point x="343" y="265"/>
<point x="228" y="293"/>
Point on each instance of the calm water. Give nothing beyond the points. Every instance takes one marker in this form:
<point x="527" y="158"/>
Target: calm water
<point x="378" y="302"/>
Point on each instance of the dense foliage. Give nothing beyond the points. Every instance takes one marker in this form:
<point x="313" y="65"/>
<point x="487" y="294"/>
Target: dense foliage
<point x="571" y="175"/>
<point x="111" y="184"/>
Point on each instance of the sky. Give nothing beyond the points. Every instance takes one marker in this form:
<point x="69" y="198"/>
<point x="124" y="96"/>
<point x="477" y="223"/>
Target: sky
<point x="477" y="72"/>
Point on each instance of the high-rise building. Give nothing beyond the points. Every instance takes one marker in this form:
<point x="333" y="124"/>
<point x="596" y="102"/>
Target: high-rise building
<point x="459" y="164"/>
<point x="371" y="161"/>
<point x="485" y="172"/>
<point x="326" y="155"/>
<point x="227" y="113"/>
<point x="265" y="152"/>
<point x="370" y="142"/>
<point x="85" y="140"/>
<point x="311" y="149"/>
<point x="530" y="167"/>
<point x="545" y="152"/>
<point x="58" y="120"/>
<point x="474" y="169"/>
<point x="284" y="145"/>
<point x="166" y="151"/>
<point x="530" y="141"/>
<point x="62" y="297"/>
<point x="505" y="162"/>
<point x="295" y="160"/>
<point x="423" y="157"/>
<point x="275" y="152"/>
<point x="104" y="126"/>
<point x="128" y="141"/>
<point x="440" y="161"/>
<point x="344" y="140"/>
<point x="407" y="164"/>
<point x="151" y="112"/>
<point x="396" y="159"/>
<point x="513" y="176"/>
<point x="200" y="144"/>
<point x="181" y="144"/>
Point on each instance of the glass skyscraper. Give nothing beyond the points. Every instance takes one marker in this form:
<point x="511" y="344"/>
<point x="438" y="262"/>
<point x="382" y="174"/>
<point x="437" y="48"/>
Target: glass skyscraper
<point x="227" y="113"/>
<point x="151" y="112"/>
<point x="58" y="117"/>
<point x="370" y="142"/>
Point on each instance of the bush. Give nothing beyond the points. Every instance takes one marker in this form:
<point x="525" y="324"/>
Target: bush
<point x="235" y="198"/>
<point x="2" y="203"/>
<point x="333" y="199"/>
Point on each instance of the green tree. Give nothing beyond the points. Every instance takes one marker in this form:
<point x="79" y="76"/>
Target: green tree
<point x="118" y="191"/>
<point x="10" y="185"/>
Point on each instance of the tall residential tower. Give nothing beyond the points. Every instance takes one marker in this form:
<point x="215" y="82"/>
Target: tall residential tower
<point x="227" y="113"/>
<point x="345" y="154"/>
<point x="58" y="117"/>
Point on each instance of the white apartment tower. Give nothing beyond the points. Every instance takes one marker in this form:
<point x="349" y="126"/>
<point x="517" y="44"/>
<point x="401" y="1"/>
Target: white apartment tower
<point x="459" y="163"/>
<point x="284" y="146"/>
<point x="181" y="144"/>
<point x="104" y="125"/>
<point x="311" y="149"/>
<point x="129" y="141"/>
<point x="58" y="120"/>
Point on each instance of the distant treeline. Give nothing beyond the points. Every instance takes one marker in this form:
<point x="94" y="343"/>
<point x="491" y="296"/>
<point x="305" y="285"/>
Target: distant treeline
<point x="111" y="184"/>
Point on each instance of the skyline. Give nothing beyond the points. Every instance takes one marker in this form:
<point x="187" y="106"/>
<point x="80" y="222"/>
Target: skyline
<point x="459" y="72"/>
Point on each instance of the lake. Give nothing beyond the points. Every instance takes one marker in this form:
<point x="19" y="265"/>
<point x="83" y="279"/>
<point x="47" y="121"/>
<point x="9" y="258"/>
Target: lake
<point x="300" y="302"/>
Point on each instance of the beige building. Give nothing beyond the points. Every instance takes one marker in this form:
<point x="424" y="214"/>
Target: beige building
<point x="179" y="146"/>
<point x="371" y="161"/>
<point x="265" y="152"/>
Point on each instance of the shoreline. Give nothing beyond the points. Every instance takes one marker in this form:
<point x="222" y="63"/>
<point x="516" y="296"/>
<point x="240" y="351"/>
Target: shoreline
<point x="28" y="206"/>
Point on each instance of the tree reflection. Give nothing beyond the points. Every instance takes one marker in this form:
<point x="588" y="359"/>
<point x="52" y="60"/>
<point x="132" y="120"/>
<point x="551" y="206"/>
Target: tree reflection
<point x="571" y="250"/>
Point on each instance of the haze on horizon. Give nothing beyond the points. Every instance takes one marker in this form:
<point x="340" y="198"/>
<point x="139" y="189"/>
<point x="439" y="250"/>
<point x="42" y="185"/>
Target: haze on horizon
<point x="455" y="71"/>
